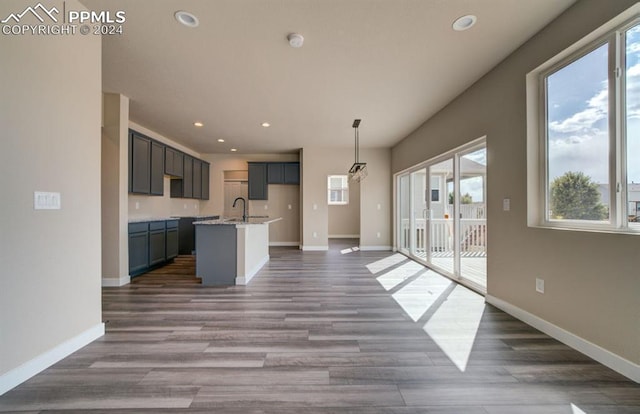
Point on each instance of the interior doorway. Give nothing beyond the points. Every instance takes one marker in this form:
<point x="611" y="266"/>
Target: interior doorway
<point x="236" y="184"/>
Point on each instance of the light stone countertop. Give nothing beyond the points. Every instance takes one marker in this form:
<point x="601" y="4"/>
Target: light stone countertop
<point x="149" y="219"/>
<point x="238" y="221"/>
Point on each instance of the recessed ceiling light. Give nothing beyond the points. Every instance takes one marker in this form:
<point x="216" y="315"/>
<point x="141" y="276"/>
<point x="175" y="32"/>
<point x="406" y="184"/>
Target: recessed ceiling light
<point x="198" y="124"/>
<point x="220" y="140"/>
<point x="233" y="150"/>
<point x="464" y="22"/>
<point x="266" y="124"/>
<point x="295" y="40"/>
<point x="186" y="18"/>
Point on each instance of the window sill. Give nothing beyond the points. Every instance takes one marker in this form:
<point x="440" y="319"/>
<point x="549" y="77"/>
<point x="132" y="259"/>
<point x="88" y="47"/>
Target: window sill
<point x="631" y="232"/>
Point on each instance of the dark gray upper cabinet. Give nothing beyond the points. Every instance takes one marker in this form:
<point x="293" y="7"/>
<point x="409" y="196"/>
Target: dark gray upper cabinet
<point x="283" y="172"/>
<point x="197" y="178"/>
<point x="173" y="161"/>
<point x="275" y="173"/>
<point x="205" y="180"/>
<point x="258" y="189"/>
<point x="291" y="173"/>
<point x="157" y="169"/>
<point x="187" y="178"/>
<point x="140" y="164"/>
<point x="150" y="160"/>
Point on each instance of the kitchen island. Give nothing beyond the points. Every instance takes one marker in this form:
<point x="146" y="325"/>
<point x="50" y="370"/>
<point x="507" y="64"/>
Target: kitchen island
<point x="231" y="251"/>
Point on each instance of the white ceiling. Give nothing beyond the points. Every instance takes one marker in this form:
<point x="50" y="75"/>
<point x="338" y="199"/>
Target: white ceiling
<point x="392" y="63"/>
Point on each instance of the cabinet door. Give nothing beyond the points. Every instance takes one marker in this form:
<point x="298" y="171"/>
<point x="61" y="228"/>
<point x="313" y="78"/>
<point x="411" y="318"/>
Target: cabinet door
<point x="205" y="180"/>
<point x="173" y="160"/>
<point x="178" y="163"/>
<point x="172" y="243"/>
<point x="157" y="247"/>
<point x="275" y="173"/>
<point x="140" y="164"/>
<point x="197" y="178"/>
<point x="258" y="189"/>
<point x="187" y="178"/>
<point x="157" y="169"/>
<point x="138" y="251"/>
<point x="292" y="173"/>
<point x="186" y="235"/>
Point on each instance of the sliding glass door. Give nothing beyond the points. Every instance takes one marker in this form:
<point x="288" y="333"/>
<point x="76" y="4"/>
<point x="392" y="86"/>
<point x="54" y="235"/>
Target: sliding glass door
<point x="442" y="215"/>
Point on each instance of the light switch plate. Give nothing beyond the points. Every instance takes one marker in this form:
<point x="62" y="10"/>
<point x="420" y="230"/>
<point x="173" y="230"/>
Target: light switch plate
<point x="43" y="200"/>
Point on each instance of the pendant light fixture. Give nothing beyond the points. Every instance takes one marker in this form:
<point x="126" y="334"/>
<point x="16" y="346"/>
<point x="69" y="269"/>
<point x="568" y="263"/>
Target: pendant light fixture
<point x="358" y="170"/>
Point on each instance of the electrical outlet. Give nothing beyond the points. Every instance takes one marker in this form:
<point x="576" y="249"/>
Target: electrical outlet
<point x="137" y="205"/>
<point x="43" y="200"/>
<point x="315" y="235"/>
<point x="539" y="285"/>
<point x="506" y="204"/>
<point x="378" y="234"/>
<point x="266" y="206"/>
<point x="289" y="206"/>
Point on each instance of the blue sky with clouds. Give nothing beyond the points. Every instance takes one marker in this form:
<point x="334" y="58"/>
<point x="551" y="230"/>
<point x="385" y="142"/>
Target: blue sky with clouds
<point x="578" y="114"/>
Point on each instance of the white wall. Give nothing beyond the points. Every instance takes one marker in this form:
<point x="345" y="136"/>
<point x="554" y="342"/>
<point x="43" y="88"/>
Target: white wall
<point x="591" y="279"/>
<point x="50" y="281"/>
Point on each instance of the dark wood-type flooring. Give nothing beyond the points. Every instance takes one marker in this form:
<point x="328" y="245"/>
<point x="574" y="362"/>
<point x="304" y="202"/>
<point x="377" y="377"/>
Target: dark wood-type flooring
<point x="316" y="332"/>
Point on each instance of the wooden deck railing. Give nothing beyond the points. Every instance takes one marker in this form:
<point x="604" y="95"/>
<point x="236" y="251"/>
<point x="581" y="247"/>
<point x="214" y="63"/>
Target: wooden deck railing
<point x="473" y="231"/>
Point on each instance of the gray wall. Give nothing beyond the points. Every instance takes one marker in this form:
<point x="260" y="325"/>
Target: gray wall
<point x="591" y="279"/>
<point x="50" y="114"/>
<point x="375" y="195"/>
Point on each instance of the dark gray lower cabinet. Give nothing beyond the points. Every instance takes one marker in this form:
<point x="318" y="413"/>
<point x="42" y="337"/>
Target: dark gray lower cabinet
<point x="157" y="242"/>
<point x="138" y="247"/>
<point x="172" y="239"/>
<point x="152" y="244"/>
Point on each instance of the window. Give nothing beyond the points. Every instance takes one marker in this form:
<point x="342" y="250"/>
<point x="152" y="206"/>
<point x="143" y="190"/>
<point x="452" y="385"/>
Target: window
<point x="338" y="190"/>
<point x="586" y="134"/>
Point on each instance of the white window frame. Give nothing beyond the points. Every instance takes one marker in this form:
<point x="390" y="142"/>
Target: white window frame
<point x="345" y="190"/>
<point x="537" y="167"/>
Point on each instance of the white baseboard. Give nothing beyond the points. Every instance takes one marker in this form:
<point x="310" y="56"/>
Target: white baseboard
<point x="315" y="248"/>
<point x="243" y="280"/>
<point x="344" y="236"/>
<point x="116" y="282"/>
<point x="284" y="244"/>
<point x="375" y="248"/>
<point x="43" y="361"/>
<point x="603" y="356"/>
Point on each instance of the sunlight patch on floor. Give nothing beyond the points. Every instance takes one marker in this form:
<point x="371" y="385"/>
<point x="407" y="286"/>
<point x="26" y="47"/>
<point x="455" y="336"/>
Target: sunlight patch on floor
<point x="350" y="250"/>
<point x="576" y="410"/>
<point x="396" y="276"/>
<point x="418" y="296"/>
<point x="454" y="325"/>
<point x="387" y="262"/>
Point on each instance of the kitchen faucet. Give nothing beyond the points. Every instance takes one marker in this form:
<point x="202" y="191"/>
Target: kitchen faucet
<point x="244" y="207"/>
